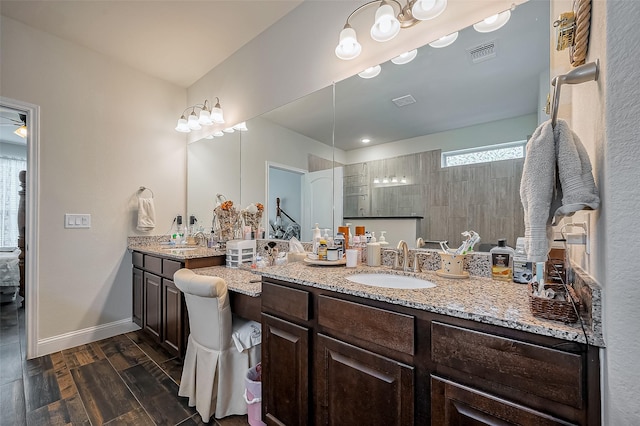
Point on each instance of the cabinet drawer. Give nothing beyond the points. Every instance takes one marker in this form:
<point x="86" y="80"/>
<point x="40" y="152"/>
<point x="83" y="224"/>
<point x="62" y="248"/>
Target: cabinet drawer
<point x="289" y="301"/>
<point x="169" y="267"/>
<point x="537" y="370"/>
<point x="137" y="259"/>
<point x="385" y="328"/>
<point x="153" y="264"/>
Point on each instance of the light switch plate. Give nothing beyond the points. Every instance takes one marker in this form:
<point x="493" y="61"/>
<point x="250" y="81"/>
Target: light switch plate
<point x="75" y="220"/>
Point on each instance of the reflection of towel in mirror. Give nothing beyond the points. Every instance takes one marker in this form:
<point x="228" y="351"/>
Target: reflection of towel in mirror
<point x="146" y="214"/>
<point x="556" y="182"/>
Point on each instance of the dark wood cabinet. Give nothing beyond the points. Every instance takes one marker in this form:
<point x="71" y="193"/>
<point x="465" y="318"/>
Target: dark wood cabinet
<point x="455" y="404"/>
<point x="158" y="306"/>
<point x="172" y="324"/>
<point x="138" y="296"/>
<point x="152" y="307"/>
<point x="339" y="359"/>
<point x="285" y="366"/>
<point x="359" y="387"/>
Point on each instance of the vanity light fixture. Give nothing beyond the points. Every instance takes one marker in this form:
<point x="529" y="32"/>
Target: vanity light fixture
<point x="403" y="180"/>
<point x="394" y="180"/>
<point x="405" y="57"/>
<point x="376" y="180"/>
<point x="371" y="72"/>
<point x="493" y="22"/>
<point x="229" y="130"/>
<point x="207" y="116"/>
<point x="241" y="127"/>
<point x="387" y="23"/>
<point x="444" y="41"/>
<point x="218" y="134"/>
<point x="21" y="131"/>
<point x="209" y="137"/>
<point x="385" y="180"/>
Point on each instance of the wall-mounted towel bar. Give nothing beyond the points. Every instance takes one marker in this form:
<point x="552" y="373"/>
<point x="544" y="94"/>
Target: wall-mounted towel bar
<point x="581" y="74"/>
<point x="144" y="188"/>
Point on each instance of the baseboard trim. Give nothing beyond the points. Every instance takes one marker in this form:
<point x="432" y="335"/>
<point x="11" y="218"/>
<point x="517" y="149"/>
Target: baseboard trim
<point x="85" y="336"/>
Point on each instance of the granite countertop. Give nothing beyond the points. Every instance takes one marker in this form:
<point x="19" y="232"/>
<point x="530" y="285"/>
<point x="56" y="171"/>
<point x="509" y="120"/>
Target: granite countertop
<point x="485" y="300"/>
<point x="176" y="252"/>
<point x="238" y="280"/>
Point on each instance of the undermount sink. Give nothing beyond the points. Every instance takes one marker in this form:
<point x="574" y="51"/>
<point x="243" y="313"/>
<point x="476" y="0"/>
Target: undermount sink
<point x="390" y="281"/>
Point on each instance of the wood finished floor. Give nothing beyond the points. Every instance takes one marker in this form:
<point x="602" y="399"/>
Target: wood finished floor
<point x="124" y="380"/>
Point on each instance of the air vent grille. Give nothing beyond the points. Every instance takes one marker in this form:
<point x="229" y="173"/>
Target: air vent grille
<point x="482" y="52"/>
<point x="404" y="101"/>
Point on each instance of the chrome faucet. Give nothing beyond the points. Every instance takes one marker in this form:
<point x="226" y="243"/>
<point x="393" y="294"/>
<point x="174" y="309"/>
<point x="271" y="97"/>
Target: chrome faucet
<point x="419" y="242"/>
<point x="200" y="238"/>
<point x="402" y="245"/>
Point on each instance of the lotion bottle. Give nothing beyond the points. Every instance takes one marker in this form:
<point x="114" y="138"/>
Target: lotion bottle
<point x="316" y="238"/>
<point x="502" y="261"/>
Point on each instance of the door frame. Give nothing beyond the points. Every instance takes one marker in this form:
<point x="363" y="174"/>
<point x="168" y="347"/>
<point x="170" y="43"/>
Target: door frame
<point x="32" y="231"/>
<point x="268" y="166"/>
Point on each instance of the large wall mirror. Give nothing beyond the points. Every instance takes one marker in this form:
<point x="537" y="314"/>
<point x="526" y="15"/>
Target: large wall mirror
<point x="485" y="89"/>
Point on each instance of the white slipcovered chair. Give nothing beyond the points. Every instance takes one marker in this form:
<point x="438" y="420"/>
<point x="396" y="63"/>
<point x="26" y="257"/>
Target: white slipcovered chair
<point x="214" y="370"/>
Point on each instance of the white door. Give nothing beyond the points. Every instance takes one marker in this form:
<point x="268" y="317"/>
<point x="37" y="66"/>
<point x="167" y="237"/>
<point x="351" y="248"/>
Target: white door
<point x="320" y="206"/>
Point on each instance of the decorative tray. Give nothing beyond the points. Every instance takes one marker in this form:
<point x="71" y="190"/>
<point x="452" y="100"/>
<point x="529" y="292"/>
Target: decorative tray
<point x="339" y="262"/>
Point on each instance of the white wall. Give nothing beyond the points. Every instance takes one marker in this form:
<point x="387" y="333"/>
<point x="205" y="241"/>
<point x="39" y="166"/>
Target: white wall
<point x="495" y="132"/>
<point x="13" y="150"/>
<point x="105" y="130"/>
<point x="604" y="114"/>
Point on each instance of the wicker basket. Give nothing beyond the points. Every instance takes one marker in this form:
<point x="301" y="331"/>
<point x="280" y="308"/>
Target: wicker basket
<point x="559" y="310"/>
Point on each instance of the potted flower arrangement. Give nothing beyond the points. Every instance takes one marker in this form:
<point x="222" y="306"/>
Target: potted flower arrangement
<point x="252" y="217"/>
<point x="226" y="219"/>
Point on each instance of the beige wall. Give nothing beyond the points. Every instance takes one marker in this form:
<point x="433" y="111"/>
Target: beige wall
<point x="105" y="130"/>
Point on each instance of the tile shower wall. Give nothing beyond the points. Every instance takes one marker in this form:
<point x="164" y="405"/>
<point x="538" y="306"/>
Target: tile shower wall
<point x="483" y="197"/>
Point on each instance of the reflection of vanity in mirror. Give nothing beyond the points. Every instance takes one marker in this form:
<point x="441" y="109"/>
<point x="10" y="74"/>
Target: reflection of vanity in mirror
<point x="428" y="122"/>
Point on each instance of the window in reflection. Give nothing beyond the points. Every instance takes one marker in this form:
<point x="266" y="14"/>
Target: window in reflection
<point x="484" y="154"/>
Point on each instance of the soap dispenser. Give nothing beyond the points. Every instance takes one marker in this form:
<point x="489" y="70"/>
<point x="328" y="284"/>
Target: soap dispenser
<point x="317" y="235"/>
<point x="383" y="242"/>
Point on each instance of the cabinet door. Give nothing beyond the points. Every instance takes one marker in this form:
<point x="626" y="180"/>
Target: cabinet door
<point x="171" y="317"/>
<point x="138" y="297"/>
<point x="152" y="304"/>
<point x="285" y="372"/>
<point x="455" y="404"/>
<point x="359" y="387"/>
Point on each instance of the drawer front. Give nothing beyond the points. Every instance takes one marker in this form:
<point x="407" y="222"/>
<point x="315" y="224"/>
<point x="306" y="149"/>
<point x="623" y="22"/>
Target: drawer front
<point x="153" y="264"/>
<point x="289" y="301"/>
<point x="137" y="259"/>
<point x="384" y="328"/>
<point x="545" y="372"/>
<point x="169" y="267"/>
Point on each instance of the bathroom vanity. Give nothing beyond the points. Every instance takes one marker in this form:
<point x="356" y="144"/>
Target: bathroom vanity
<point x="463" y="352"/>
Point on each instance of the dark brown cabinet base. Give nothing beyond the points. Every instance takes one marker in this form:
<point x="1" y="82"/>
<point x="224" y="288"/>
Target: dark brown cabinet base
<point x="337" y="359"/>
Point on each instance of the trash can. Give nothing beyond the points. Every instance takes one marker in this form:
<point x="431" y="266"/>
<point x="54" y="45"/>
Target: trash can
<point x="253" y="395"/>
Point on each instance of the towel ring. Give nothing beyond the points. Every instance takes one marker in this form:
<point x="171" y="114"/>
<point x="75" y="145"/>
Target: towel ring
<point x="581" y="74"/>
<point x="144" y="188"/>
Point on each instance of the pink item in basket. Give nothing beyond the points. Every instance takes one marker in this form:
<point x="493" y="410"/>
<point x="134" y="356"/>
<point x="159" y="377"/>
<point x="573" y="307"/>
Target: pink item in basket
<point x="253" y="395"/>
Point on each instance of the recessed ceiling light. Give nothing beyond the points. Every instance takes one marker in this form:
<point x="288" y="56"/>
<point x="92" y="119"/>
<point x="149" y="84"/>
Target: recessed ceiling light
<point x="444" y="41"/>
<point x="370" y="72"/>
<point x="365" y="140"/>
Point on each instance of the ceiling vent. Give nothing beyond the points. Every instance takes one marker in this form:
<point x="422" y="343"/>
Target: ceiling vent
<point x="404" y="101"/>
<point x="482" y="52"/>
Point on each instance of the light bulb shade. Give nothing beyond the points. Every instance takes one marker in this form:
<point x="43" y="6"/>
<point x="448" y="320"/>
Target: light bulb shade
<point x="218" y="133"/>
<point x="405" y="57"/>
<point x="183" y="126"/>
<point x="229" y="130"/>
<point x="348" y="46"/>
<point x="444" y="41"/>
<point x="242" y="127"/>
<point x="492" y="23"/>
<point x="21" y="131"/>
<point x="205" y="118"/>
<point x="217" y="115"/>
<point x="386" y="25"/>
<point x="424" y="10"/>
<point x="193" y="122"/>
<point x="370" y="72"/>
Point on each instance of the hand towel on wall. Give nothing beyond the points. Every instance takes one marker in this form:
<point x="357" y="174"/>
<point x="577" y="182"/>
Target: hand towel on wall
<point x="536" y="191"/>
<point x="557" y="181"/>
<point x="577" y="189"/>
<point x="146" y="214"/>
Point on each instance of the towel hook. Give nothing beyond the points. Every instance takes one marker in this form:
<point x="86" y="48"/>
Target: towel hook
<point x="144" y="188"/>
<point x="581" y="74"/>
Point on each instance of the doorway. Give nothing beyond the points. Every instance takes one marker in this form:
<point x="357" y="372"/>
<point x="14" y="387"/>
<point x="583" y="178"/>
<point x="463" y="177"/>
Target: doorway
<point x="29" y="116"/>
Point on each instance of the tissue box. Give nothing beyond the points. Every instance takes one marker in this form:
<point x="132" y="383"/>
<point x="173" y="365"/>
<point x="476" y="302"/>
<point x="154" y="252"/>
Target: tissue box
<point x="296" y="257"/>
<point x="239" y="252"/>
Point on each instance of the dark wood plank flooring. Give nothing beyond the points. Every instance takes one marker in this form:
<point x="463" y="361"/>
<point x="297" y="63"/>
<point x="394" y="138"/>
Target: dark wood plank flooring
<point x="124" y="380"/>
